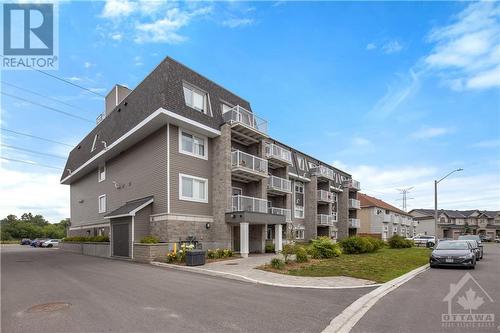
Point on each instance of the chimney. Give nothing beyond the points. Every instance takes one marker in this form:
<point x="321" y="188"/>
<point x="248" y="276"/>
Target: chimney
<point x="115" y="97"/>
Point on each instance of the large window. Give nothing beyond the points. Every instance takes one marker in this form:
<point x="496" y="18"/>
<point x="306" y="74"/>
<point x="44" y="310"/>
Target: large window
<point x="193" y="188"/>
<point x="101" y="173"/>
<point x="299" y="233"/>
<point x="194" y="145"/>
<point x="196" y="98"/>
<point x="102" y="203"/>
<point x="298" y="200"/>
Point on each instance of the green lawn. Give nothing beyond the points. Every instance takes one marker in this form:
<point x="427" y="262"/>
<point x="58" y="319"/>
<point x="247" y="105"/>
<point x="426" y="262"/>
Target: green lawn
<point x="381" y="266"/>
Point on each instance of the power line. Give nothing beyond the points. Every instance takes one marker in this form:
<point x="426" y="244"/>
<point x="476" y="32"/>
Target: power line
<point x="64" y="80"/>
<point x="29" y="162"/>
<point x="47" y="107"/>
<point x="32" y="151"/>
<point x="44" y="96"/>
<point x="36" y="137"/>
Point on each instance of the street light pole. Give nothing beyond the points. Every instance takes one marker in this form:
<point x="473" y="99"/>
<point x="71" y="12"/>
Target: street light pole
<point x="436" y="182"/>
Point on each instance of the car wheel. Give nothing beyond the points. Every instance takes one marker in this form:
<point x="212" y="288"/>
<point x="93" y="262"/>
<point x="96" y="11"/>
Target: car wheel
<point x="430" y="244"/>
<point x="50" y="245"/>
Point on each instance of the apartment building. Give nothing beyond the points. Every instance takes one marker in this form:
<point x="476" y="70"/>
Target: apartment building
<point x="380" y="219"/>
<point x="182" y="158"/>
<point x="452" y="223"/>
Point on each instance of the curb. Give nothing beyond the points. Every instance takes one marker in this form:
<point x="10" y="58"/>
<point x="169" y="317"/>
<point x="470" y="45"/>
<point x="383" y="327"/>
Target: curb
<point x="345" y="321"/>
<point x="239" y="277"/>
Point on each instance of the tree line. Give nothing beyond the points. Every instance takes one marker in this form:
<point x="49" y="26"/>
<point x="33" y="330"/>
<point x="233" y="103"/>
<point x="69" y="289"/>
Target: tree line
<point x="31" y="226"/>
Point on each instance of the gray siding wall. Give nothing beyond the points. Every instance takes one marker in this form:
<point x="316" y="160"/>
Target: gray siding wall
<point x="141" y="170"/>
<point x="141" y="223"/>
<point x="189" y="165"/>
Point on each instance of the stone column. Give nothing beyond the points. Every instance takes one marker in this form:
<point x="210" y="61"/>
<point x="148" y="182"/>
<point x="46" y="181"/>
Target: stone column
<point x="343" y="214"/>
<point x="311" y="208"/>
<point x="244" y="239"/>
<point x="264" y="235"/>
<point x="278" y="238"/>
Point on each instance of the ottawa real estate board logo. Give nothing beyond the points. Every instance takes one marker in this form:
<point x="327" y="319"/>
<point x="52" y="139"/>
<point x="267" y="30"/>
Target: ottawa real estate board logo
<point x="30" y="36"/>
<point x="469" y="305"/>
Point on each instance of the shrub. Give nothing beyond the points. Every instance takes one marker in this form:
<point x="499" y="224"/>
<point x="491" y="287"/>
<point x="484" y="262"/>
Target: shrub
<point x="150" y="240"/>
<point x="219" y="253"/>
<point x="277" y="263"/>
<point x="301" y="254"/>
<point x="228" y="253"/>
<point x="288" y="250"/>
<point x="270" y="248"/>
<point x="171" y="257"/>
<point x="323" y="248"/>
<point x="356" y="245"/>
<point x="398" y="242"/>
<point x="212" y="254"/>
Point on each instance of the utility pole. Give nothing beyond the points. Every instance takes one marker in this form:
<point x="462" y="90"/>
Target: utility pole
<point x="404" y="192"/>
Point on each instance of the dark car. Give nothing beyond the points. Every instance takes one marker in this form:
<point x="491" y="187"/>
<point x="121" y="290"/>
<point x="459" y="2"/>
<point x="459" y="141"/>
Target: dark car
<point x="486" y="238"/>
<point x="475" y="246"/>
<point x="25" y="241"/>
<point x="477" y="239"/>
<point x="453" y="253"/>
<point x="38" y="242"/>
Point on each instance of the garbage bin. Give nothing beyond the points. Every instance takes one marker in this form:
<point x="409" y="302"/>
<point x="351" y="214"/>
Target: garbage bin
<point x="195" y="258"/>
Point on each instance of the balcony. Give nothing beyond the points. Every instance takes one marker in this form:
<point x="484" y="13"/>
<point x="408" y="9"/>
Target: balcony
<point x="388" y="218"/>
<point x="325" y="220"/>
<point x="278" y="186"/>
<point x="247" y="168"/>
<point x="278" y="156"/>
<point x="281" y="211"/>
<point x="322" y="172"/>
<point x="246" y="127"/>
<point x="352" y="184"/>
<point x="323" y="196"/>
<point x="240" y="203"/>
<point x="354" y="204"/>
<point x="354" y="223"/>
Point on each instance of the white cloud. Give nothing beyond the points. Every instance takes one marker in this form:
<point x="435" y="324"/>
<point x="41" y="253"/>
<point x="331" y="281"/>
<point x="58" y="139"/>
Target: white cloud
<point x="117" y="9"/>
<point x="74" y="78"/>
<point x="360" y="141"/>
<point x="237" y="22"/>
<point x="392" y="47"/>
<point x="453" y="193"/>
<point x="486" y="144"/>
<point x="165" y="30"/>
<point x="36" y="192"/>
<point x="116" y="36"/>
<point x="467" y="52"/>
<point x="430" y="132"/>
<point x="88" y="64"/>
<point x="371" y="46"/>
<point x="397" y="93"/>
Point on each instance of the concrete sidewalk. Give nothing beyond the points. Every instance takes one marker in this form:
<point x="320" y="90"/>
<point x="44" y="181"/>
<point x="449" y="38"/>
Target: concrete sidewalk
<point x="244" y="269"/>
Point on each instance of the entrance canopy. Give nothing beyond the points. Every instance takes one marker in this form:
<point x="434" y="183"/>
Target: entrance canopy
<point x="130" y="208"/>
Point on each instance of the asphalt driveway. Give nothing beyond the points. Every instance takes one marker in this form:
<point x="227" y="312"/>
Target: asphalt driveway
<point x="418" y="305"/>
<point x="115" y="296"/>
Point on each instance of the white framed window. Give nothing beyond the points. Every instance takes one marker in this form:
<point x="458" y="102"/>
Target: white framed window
<point x="225" y="108"/>
<point x="299" y="234"/>
<point x="196" y="98"/>
<point x="311" y="165"/>
<point x="101" y="173"/>
<point x="299" y="199"/>
<point x="102" y="203"/>
<point x="193" y="188"/>
<point x="301" y="163"/>
<point x="193" y="144"/>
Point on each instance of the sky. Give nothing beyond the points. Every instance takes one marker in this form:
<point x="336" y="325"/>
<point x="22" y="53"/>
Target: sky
<point x="398" y="94"/>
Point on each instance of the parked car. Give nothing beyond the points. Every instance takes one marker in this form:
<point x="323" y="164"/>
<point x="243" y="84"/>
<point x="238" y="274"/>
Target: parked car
<point x="453" y="253"/>
<point x="25" y="241"/>
<point x="428" y="241"/>
<point x="485" y="238"/>
<point x="51" y="243"/>
<point x="497" y="239"/>
<point x="476" y="238"/>
<point x="475" y="247"/>
<point x="38" y="242"/>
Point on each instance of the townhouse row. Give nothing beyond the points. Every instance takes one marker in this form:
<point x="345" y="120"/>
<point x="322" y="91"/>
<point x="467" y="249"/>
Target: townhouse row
<point x="184" y="159"/>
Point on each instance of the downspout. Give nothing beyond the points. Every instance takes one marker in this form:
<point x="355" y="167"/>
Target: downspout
<point x="133" y="236"/>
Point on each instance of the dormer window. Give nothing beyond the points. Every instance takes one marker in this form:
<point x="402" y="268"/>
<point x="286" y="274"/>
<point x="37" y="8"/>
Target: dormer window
<point x="301" y="163"/>
<point x="196" y="98"/>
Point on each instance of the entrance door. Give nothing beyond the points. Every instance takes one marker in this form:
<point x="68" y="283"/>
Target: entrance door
<point x="121" y="245"/>
<point x="236" y="239"/>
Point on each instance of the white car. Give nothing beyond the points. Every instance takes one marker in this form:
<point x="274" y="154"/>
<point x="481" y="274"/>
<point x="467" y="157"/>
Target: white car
<point x="428" y="241"/>
<point x="51" y="243"/>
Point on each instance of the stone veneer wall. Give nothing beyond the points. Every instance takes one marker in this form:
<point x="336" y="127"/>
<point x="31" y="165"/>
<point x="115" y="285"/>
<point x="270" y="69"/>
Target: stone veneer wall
<point x="311" y="207"/>
<point x="343" y="214"/>
<point x="151" y="252"/>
